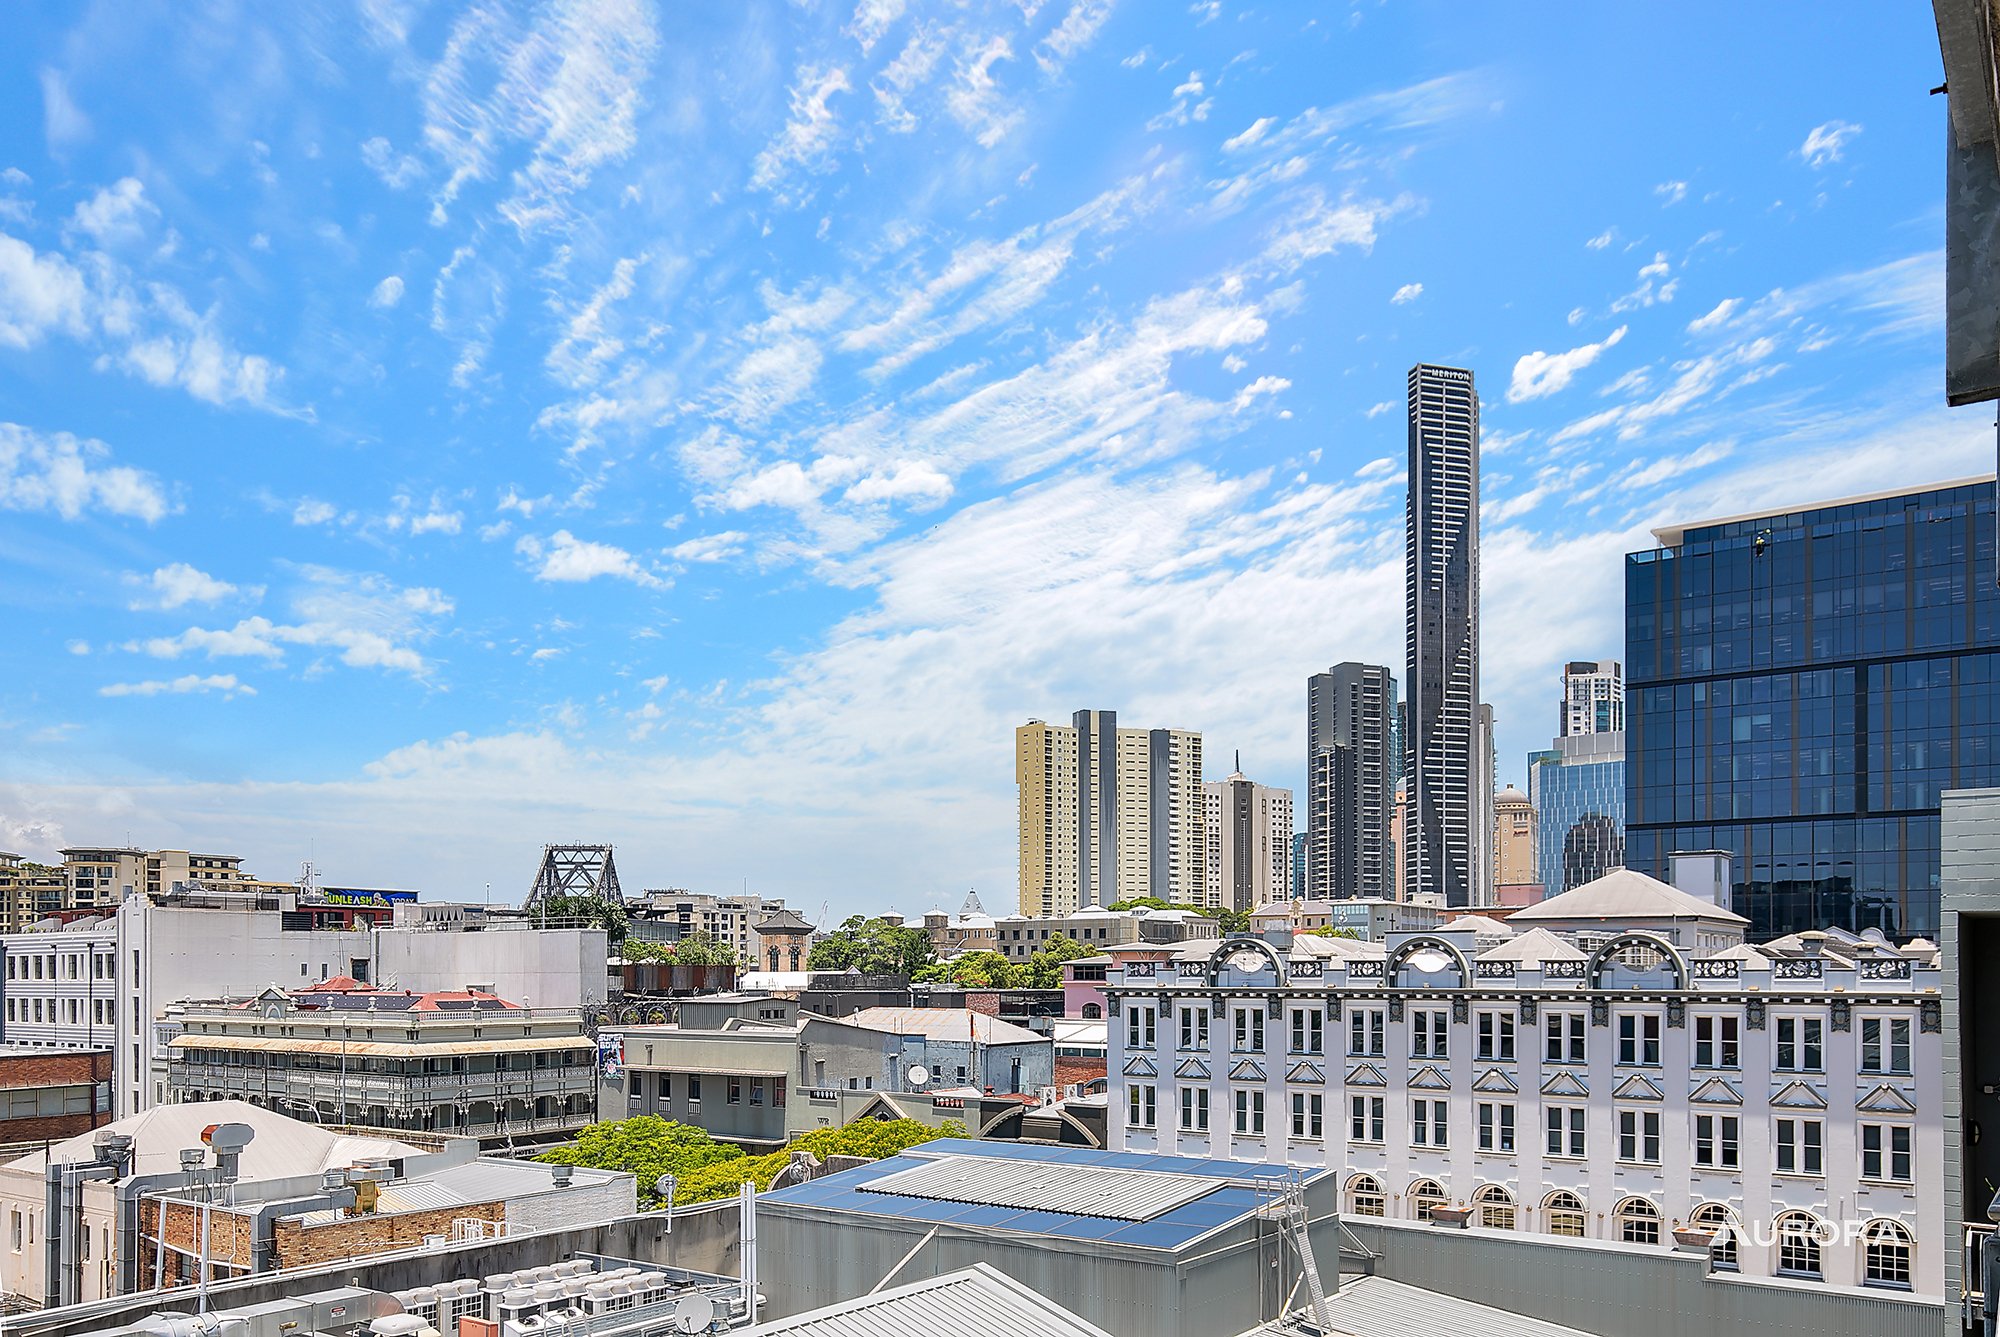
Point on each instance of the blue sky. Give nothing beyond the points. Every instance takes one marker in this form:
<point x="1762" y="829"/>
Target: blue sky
<point x="430" y="430"/>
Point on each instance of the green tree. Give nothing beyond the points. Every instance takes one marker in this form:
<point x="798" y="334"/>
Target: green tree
<point x="872" y="1138"/>
<point x="1331" y="932"/>
<point x="972" y="970"/>
<point x="700" y="948"/>
<point x="873" y="947"/>
<point x="1044" y="968"/>
<point x="1146" y="903"/>
<point x="599" y="910"/>
<point x="647" y="1146"/>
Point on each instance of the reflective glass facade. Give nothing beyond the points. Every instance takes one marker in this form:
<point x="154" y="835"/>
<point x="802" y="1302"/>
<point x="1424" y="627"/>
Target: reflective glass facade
<point x="1579" y="801"/>
<point x="1800" y="688"/>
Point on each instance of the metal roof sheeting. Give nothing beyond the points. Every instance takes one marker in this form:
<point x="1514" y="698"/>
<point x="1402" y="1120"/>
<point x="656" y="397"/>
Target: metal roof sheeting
<point x="440" y="1048"/>
<point x="978" y="1301"/>
<point x="1378" y="1307"/>
<point x="1079" y="1190"/>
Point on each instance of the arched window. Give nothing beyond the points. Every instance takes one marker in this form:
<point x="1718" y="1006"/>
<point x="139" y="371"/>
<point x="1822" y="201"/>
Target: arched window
<point x="1426" y="1196"/>
<point x="1722" y="1251"/>
<point x="1798" y="1245"/>
<point x="1092" y="1012"/>
<point x="1886" y="1252"/>
<point x="1365" y="1196"/>
<point x="1638" y="1221"/>
<point x="1495" y="1206"/>
<point x="1562" y="1214"/>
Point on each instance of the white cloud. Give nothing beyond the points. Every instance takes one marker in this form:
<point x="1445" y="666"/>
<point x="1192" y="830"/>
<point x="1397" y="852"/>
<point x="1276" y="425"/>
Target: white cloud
<point x="436" y="522"/>
<point x="38" y="294"/>
<point x="1719" y="315"/>
<point x="311" y="512"/>
<point x="803" y="145"/>
<point x="1671" y="193"/>
<point x="366" y="620"/>
<point x="709" y="547"/>
<point x="397" y="170"/>
<point x="1655" y="285"/>
<point x="1137" y="58"/>
<point x="1076" y="31"/>
<point x="1540" y="374"/>
<point x="118" y="215"/>
<point x="1256" y="131"/>
<point x="67" y="474"/>
<point x="179" y="583"/>
<point x="975" y="100"/>
<point x="63" y="122"/>
<point x="916" y="482"/>
<point x="387" y="293"/>
<point x="1826" y="143"/>
<point x="1602" y="239"/>
<point x="873" y="18"/>
<point x="1409" y="292"/>
<point x="1376" y="410"/>
<point x="564" y="558"/>
<point x="225" y="683"/>
<point x="1263" y="385"/>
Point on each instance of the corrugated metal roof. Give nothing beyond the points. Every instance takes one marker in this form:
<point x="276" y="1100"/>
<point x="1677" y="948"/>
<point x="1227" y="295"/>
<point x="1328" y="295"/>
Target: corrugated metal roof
<point x="978" y="1301"/>
<point x="281" y="1147"/>
<point x="1378" y="1307"/>
<point x="281" y="1044"/>
<point x="1080" y="1190"/>
<point x="943" y="1023"/>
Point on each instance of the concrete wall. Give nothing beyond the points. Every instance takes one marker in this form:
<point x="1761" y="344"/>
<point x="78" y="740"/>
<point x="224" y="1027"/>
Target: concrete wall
<point x="538" y="968"/>
<point x="1969" y="884"/>
<point x="1617" y="1290"/>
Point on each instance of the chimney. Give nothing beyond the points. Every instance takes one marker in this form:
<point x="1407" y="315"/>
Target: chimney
<point x="1706" y="875"/>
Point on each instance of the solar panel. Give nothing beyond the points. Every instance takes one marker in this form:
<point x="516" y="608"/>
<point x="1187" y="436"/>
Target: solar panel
<point x="1079" y="1190"/>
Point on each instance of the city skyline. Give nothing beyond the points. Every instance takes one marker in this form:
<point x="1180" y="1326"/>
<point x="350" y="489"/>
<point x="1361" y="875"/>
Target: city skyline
<point x="398" y="454"/>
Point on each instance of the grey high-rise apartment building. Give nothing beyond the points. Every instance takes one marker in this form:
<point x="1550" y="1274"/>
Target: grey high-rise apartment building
<point x="1447" y="835"/>
<point x="1352" y="765"/>
<point x="1593" y="698"/>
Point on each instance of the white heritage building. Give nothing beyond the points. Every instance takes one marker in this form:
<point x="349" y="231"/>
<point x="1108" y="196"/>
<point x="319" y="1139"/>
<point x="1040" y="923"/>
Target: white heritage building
<point x="1602" y="1083"/>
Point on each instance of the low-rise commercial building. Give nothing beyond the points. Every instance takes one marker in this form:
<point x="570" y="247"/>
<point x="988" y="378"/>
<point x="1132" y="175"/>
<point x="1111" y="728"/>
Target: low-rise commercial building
<point x="45" y="1096"/>
<point x="454" y="1062"/>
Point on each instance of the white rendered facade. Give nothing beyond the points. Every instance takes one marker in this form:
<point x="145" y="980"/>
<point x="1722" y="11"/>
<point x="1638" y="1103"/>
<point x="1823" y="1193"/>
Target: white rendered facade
<point x="1799" y="1095"/>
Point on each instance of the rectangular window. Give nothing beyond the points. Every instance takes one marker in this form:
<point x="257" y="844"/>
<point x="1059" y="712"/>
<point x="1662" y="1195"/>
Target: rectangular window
<point x="1144" y="1107"/>
<point x="1801" y="1143"/>
<point x="1717" y="1141"/>
<point x="1139" y="1027"/>
<point x="1717" y="1042"/>
<point x="1250" y="1113"/>
<point x="1800" y="1047"/>
<point x="666" y="1087"/>
<point x="1249" y="1030"/>
<point x="736" y="1090"/>
<point x="694" y="1088"/>
<point x="1308" y="1030"/>
<point x="1367" y="1121"/>
<point x="1307" y="1112"/>
<point x="1496" y="1126"/>
<point x="1565" y="1127"/>
<point x="1885" y="1152"/>
<point x="1194" y="1028"/>
<point x="1430" y="1122"/>
<point x="756" y="1090"/>
<point x="1194" y="1109"/>
<point x="1885" y="1045"/>
<point x="1639" y="1136"/>
<point x="1367" y="1033"/>
<point x="1563" y="1034"/>
<point x="1430" y="1033"/>
<point x="1639" y="1039"/>
<point x="1496" y="1037"/>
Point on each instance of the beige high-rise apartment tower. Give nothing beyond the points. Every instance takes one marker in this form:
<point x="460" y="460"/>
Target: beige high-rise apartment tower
<point x="1250" y="838"/>
<point x="1513" y="838"/>
<point x="1107" y="814"/>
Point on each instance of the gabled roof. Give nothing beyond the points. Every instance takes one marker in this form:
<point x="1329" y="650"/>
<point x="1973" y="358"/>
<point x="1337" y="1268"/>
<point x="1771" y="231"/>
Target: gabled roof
<point x="1534" y="947"/>
<point x="280" y="1147"/>
<point x="977" y="1299"/>
<point x="1624" y="894"/>
<point x="943" y="1023"/>
<point x="1478" y="924"/>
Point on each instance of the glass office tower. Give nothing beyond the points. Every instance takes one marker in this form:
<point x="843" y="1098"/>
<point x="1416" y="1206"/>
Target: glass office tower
<point x="1800" y="687"/>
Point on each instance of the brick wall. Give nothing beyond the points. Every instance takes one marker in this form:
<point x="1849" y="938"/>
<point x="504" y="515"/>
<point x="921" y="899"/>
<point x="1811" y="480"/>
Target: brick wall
<point x="54" y="1128"/>
<point x="354" y="1236"/>
<point x="1071" y="1071"/>
<point x="54" y="1069"/>
<point x="986" y="1002"/>
<point x="231" y="1234"/>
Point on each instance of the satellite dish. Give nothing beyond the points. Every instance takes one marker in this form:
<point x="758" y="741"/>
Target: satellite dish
<point x="694" y="1313"/>
<point x="919" y="1074"/>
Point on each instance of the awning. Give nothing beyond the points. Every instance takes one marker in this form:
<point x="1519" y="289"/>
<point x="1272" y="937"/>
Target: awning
<point x="283" y="1044"/>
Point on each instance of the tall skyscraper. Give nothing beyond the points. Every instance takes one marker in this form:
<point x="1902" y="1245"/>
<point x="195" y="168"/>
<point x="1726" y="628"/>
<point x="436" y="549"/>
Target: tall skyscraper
<point x="1107" y="814"/>
<point x="1250" y="834"/>
<point x="1593" y="698"/>
<point x="1578" y="789"/>
<point x="1351" y="773"/>
<point x="1805" y="680"/>
<point x="1446" y="837"/>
